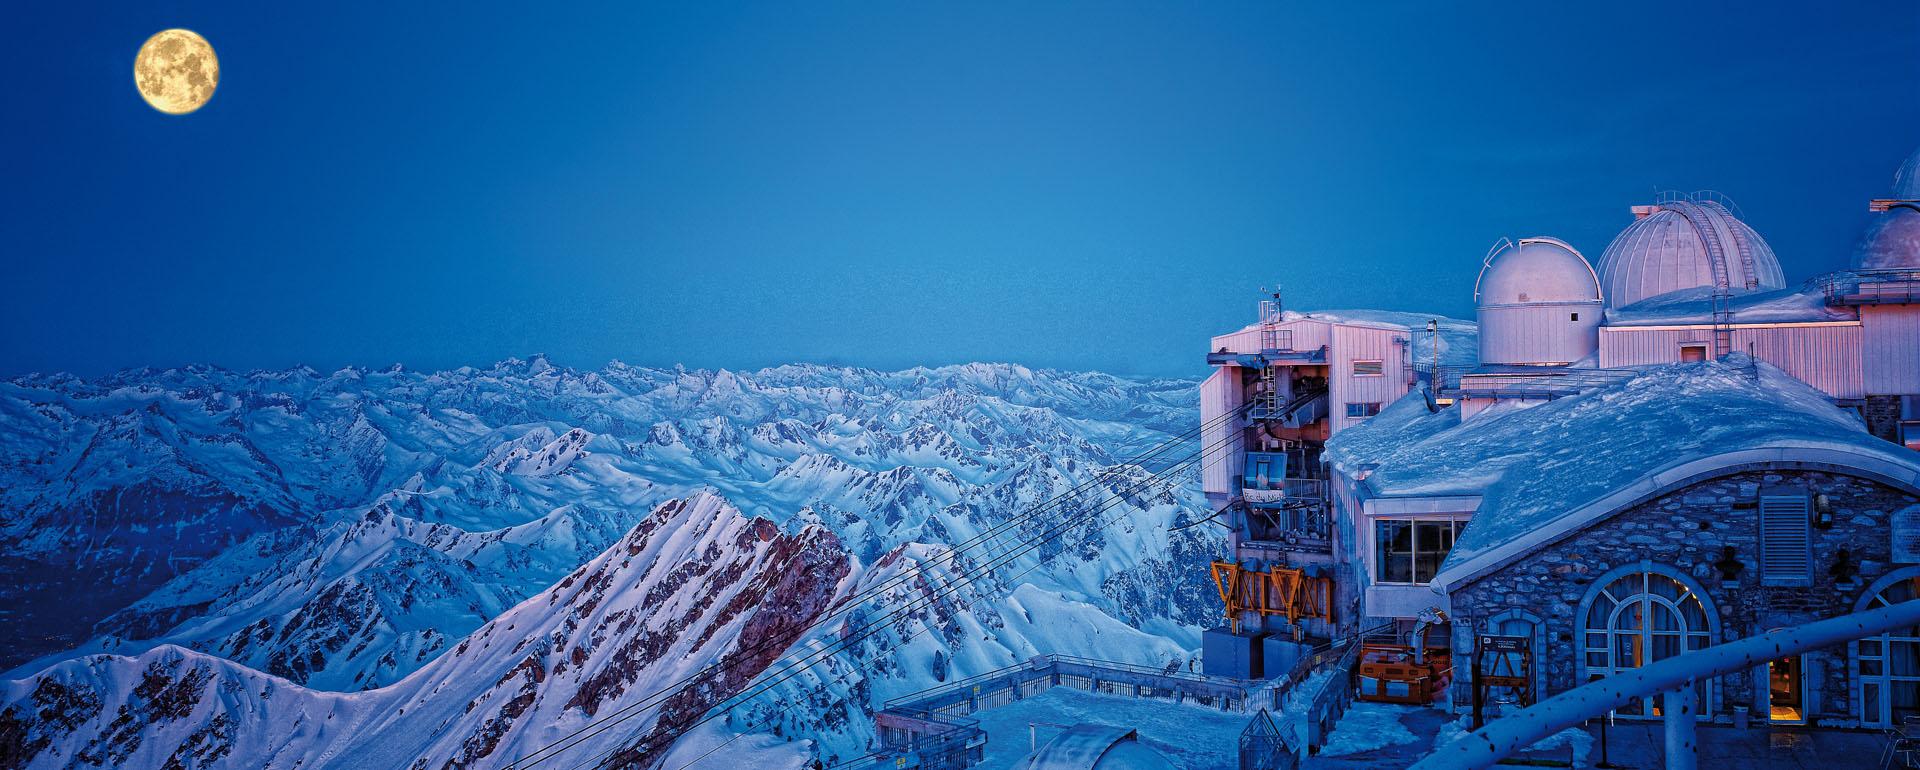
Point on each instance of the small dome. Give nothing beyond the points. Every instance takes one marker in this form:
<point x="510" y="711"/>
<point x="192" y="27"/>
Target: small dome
<point x="1906" y="181"/>
<point x="1535" y="271"/>
<point x="1892" y="242"/>
<point x="1685" y="243"/>
<point x="1539" y="304"/>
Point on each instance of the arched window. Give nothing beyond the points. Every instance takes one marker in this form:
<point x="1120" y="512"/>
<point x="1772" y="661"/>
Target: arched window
<point x="1889" y="663"/>
<point x="1640" y="614"/>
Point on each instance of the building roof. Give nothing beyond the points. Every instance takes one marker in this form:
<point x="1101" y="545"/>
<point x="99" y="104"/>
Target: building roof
<point x="1682" y="243"/>
<point x="1695" y="306"/>
<point x="1543" y="471"/>
<point x="1458" y="341"/>
<point x="1536" y="271"/>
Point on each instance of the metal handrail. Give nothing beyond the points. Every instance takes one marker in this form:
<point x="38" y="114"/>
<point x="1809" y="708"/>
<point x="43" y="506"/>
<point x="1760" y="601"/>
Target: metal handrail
<point x="1501" y="737"/>
<point x="903" y="703"/>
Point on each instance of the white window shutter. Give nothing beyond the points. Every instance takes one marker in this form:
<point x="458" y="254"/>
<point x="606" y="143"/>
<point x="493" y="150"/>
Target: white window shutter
<point x="1785" y="555"/>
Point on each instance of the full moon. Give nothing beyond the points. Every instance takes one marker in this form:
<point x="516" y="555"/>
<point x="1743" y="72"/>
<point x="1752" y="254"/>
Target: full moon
<point x="176" y="71"/>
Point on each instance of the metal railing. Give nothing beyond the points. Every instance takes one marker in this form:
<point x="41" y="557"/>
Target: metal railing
<point x="1674" y="678"/>
<point x="1872" y="287"/>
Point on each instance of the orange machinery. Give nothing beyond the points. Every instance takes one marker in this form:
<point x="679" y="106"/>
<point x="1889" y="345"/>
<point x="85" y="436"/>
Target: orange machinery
<point x="1390" y="674"/>
<point x="1403" y="673"/>
<point x="1284" y="591"/>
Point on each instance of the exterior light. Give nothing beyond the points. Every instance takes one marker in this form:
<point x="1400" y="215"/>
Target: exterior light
<point x="1822" y="512"/>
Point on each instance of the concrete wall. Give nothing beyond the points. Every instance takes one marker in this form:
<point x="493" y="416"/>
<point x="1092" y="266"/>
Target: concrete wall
<point x="1686" y="530"/>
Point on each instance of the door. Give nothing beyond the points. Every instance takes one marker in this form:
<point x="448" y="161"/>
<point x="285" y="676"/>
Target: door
<point x="1786" y="691"/>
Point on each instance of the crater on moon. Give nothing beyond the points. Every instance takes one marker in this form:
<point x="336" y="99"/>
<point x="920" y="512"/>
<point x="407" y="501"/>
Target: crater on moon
<point x="176" y="71"/>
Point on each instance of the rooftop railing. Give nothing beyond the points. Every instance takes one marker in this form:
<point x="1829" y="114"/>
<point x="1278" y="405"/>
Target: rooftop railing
<point x="1872" y="287"/>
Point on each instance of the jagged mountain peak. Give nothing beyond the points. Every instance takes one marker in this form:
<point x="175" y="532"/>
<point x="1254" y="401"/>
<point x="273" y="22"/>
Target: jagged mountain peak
<point x="693" y="590"/>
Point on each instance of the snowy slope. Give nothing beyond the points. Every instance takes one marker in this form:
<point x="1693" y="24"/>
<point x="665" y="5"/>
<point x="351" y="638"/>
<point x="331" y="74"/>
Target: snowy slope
<point x="349" y="531"/>
<point x="255" y="512"/>
<point x="693" y="585"/>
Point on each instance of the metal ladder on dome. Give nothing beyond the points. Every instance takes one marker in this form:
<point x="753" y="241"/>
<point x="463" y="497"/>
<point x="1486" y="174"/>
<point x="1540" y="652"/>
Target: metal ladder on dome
<point x="1722" y="283"/>
<point x="1745" y="247"/>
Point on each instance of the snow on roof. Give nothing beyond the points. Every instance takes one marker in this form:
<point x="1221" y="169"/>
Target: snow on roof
<point x="1546" y="468"/>
<point x="1695" y="306"/>
<point x="1459" y="339"/>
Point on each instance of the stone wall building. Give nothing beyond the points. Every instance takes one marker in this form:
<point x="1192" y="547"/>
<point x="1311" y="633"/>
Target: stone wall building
<point x="1695" y="554"/>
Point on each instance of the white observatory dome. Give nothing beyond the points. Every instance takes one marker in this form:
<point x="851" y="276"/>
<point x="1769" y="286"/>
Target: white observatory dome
<point x="1892" y="242"/>
<point x="1906" y="181"/>
<point x="1684" y="243"/>
<point x="1539" y="304"/>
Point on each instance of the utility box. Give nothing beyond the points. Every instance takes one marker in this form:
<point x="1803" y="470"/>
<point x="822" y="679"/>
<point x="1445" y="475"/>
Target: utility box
<point x="1279" y="653"/>
<point x="1237" y="656"/>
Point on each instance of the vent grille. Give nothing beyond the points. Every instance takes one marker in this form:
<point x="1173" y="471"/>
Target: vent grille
<point x="1784" y="536"/>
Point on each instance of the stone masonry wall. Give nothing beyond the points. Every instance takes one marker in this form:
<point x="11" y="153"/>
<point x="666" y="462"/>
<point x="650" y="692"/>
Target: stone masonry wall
<point x="1882" y="414"/>
<point x="1687" y="530"/>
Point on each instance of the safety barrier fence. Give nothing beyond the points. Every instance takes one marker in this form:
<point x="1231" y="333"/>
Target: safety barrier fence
<point x="933" y="728"/>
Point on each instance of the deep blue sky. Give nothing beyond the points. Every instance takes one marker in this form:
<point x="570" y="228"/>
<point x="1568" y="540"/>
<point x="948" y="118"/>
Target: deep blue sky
<point x="883" y="184"/>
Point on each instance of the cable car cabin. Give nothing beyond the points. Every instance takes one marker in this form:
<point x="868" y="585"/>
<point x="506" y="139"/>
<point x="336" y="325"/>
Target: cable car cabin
<point x="1397" y="673"/>
<point x="1283" y="510"/>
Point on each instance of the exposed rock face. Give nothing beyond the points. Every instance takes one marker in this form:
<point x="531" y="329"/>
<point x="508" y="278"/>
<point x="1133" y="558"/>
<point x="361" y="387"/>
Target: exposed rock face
<point x="342" y="530"/>
<point x="366" y="525"/>
<point x="693" y="583"/>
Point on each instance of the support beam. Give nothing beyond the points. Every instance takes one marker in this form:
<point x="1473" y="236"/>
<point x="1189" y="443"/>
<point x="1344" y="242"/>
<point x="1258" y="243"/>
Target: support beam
<point x="1683" y="718"/>
<point x="1501" y="737"/>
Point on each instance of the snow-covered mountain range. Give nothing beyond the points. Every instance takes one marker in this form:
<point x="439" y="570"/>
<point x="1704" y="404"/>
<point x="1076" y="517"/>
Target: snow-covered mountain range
<point x="271" y="568"/>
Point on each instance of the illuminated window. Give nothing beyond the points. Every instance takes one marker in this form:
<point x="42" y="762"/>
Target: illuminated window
<point x="1690" y="353"/>
<point x="1641" y="617"/>
<point x="1368" y="369"/>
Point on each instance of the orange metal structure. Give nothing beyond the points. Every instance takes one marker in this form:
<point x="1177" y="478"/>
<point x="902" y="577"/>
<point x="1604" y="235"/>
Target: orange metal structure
<point x="1280" y="591"/>
<point x="1388" y="674"/>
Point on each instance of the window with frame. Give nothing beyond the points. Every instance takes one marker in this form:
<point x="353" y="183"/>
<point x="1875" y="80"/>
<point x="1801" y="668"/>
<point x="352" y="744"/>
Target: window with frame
<point x="1367" y="409"/>
<point x="1642" y="617"/>
<point x="1890" y="662"/>
<point x="1369" y="368"/>
<point x="1411" y="550"/>
<point x="1692" y="353"/>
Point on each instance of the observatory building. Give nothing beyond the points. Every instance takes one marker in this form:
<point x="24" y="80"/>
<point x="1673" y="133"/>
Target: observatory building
<point x="1638" y="457"/>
